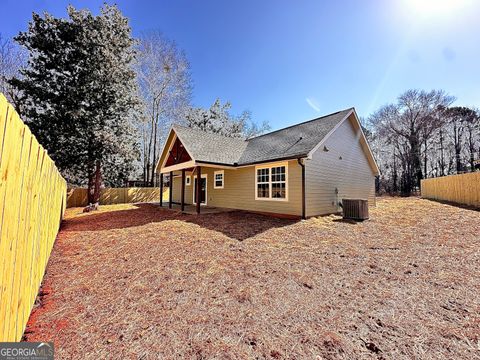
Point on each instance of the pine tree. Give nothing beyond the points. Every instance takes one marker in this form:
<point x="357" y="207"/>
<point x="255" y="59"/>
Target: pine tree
<point x="79" y="91"/>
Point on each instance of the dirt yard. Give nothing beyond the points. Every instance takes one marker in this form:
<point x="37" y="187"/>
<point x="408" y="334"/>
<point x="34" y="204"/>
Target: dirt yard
<point x="136" y="281"/>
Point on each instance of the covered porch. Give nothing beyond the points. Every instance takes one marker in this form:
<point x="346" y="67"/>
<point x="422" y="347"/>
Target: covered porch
<point x="192" y="209"/>
<point x="188" y="183"/>
<point x="192" y="183"/>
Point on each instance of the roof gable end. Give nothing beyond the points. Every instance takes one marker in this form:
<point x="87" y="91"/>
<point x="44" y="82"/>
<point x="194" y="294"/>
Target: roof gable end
<point x="295" y="141"/>
<point x="363" y="140"/>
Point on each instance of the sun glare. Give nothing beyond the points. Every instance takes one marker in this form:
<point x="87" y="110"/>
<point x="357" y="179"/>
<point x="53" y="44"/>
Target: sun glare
<point x="429" y="8"/>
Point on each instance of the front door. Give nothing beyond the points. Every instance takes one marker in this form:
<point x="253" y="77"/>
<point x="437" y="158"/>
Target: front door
<point x="203" y="191"/>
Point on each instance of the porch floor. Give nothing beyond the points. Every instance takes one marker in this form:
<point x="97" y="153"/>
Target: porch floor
<point x="192" y="209"/>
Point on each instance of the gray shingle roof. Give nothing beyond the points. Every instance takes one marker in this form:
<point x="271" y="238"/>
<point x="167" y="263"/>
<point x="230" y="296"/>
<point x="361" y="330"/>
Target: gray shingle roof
<point x="293" y="141"/>
<point x="207" y="147"/>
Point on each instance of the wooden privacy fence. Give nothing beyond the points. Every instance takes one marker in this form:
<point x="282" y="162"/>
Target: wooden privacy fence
<point x="108" y="196"/>
<point x="461" y="189"/>
<point x="32" y="203"/>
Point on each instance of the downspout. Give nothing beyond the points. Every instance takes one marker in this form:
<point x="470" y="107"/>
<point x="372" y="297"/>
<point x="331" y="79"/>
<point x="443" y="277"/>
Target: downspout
<point x="301" y="163"/>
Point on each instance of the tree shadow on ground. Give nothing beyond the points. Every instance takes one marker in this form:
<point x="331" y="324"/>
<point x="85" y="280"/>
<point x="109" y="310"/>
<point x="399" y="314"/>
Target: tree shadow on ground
<point x="458" y="205"/>
<point x="140" y="215"/>
<point x="238" y="225"/>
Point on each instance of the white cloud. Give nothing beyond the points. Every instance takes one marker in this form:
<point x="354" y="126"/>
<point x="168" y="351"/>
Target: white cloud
<point x="313" y="104"/>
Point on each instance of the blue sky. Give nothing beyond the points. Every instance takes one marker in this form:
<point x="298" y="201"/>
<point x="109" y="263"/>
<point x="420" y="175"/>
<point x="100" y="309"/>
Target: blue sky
<point x="289" y="61"/>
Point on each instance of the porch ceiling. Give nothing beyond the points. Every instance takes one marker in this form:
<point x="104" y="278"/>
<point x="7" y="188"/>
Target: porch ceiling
<point x="191" y="209"/>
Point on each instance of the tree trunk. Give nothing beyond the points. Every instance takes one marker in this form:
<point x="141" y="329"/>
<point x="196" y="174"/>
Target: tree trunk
<point x="149" y="151"/>
<point x="91" y="185"/>
<point x="415" y="164"/>
<point x="425" y="160"/>
<point x="471" y="148"/>
<point x="395" y="173"/>
<point x="458" y="149"/>
<point x="94" y="181"/>
<point x="144" y="155"/>
<point x="98" y="181"/>
<point x="442" y="155"/>
<point x="458" y="159"/>
<point x="154" y="162"/>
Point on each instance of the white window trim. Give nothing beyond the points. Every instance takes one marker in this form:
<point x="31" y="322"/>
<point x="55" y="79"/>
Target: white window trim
<point x="270" y="166"/>
<point x="215" y="173"/>
<point x="194" y="188"/>
<point x="188" y="180"/>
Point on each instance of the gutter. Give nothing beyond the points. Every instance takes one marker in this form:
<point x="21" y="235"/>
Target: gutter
<point x="301" y="163"/>
<point x="293" y="157"/>
<point x="237" y="165"/>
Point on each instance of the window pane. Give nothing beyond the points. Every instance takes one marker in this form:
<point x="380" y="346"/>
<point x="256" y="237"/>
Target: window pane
<point x="262" y="175"/>
<point x="278" y="173"/>
<point x="218" y="180"/>
<point x="263" y="190"/>
<point x="278" y="191"/>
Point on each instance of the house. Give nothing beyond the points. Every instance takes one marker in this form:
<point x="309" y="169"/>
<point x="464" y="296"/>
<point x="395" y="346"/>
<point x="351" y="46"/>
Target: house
<point x="303" y="170"/>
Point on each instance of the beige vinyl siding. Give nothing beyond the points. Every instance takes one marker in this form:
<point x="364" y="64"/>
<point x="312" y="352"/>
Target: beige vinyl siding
<point x="352" y="175"/>
<point x="239" y="191"/>
<point x="177" y="185"/>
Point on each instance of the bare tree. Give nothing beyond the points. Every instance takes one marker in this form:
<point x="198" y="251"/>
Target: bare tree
<point x="12" y="59"/>
<point x="165" y="89"/>
<point x="421" y="136"/>
<point x="472" y="127"/>
<point x="441" y="161"/>
<point x="456" y="129"/>
<point x="407" y="126"/>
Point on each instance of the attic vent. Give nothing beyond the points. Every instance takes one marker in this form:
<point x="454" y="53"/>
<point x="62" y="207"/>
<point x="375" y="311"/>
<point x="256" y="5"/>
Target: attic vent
<point x="356" y="209"/>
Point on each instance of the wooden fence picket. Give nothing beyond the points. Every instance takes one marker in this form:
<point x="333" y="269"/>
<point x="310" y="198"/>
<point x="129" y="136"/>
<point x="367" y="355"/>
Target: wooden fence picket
<point x="33" y="199"/>
<point x="32" y="202"/>
<point x="108" y="196"/>
<point x="461" y="189"/>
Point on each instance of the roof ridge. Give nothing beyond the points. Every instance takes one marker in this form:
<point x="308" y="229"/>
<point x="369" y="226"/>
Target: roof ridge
<point x="206" y="132"/>
<point x="301" y="123"/>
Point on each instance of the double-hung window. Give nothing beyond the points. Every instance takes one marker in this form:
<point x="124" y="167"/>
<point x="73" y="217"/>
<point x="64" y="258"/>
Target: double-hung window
<point x="271" y="182"/>
<point x="218" y="179"/>
<point x="263" y="183"/>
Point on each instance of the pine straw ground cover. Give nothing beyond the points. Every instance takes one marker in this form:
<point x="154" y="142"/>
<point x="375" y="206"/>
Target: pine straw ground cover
<point x="135" y="281"/>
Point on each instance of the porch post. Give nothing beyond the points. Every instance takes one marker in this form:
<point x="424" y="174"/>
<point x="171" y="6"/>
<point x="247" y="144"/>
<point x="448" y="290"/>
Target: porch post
<point x="161" y="189"/>
<point x="199" y="186"/>
<point x="170" y="195"/>
<point x="183" y="189"/>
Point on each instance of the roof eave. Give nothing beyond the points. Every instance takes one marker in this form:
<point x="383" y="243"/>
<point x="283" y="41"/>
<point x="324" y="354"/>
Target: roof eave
<point x="290" y="157"/>
<point x="237" y="165"/>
